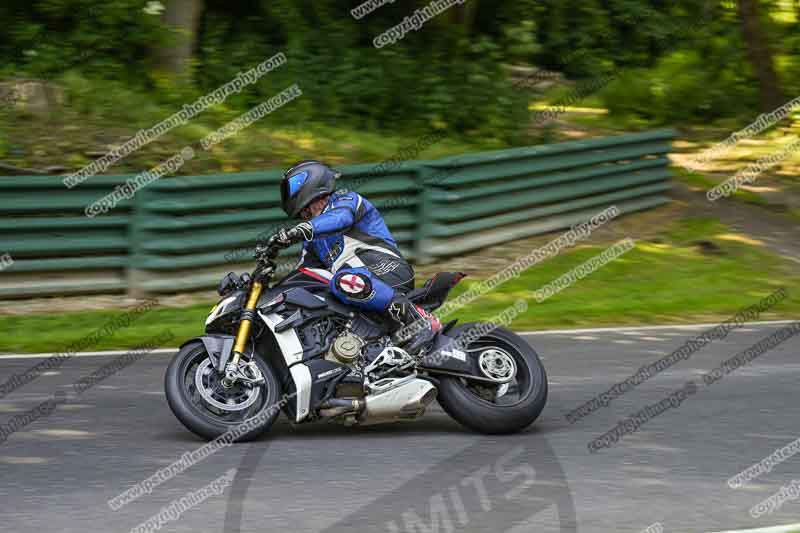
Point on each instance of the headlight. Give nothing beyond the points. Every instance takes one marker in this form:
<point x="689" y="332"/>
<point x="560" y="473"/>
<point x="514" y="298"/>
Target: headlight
<point x="219" y="309"/>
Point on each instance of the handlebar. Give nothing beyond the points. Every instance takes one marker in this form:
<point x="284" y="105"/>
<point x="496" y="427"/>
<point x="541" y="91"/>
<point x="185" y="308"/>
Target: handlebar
<point x="265" y="266"/>
<point x="266" y="253"/>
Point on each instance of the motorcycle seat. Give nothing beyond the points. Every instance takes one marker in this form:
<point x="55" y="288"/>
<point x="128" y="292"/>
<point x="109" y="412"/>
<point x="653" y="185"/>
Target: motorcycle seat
<point x="434" y="292"/>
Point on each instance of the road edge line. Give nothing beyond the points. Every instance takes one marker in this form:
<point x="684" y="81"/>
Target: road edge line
<point x="648" y="328"/>
<point x="774" y="529"/>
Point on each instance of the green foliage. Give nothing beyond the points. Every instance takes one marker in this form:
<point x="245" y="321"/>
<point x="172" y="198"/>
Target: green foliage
<point x="440" y="78"/>
<point x="682" y="87"/>
<point x="44" y="38"/>
<point x="680" y="61"/>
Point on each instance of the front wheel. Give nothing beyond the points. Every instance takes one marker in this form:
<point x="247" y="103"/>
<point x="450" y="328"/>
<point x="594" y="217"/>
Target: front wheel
<point x="206" y="407"/>
<point x="491" y="408"/>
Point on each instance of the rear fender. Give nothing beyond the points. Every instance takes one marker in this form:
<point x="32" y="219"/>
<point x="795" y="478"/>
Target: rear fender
<point x="446" y="355"/>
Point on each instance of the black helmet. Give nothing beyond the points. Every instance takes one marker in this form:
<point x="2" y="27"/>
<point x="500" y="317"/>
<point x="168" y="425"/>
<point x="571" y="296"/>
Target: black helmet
<point x="305" y="182"/>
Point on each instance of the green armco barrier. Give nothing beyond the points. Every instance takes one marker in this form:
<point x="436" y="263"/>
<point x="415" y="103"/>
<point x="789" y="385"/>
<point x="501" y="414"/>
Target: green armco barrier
<point x="478" y="200"/>
<point x="182" y="233"/>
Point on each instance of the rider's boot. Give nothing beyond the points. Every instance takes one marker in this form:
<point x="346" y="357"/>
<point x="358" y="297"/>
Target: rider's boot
<point x="413" y="327"/>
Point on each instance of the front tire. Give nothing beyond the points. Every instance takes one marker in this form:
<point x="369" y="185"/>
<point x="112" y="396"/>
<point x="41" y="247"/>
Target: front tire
<point x="473" y="405"/>
<point x="206" y="419"/>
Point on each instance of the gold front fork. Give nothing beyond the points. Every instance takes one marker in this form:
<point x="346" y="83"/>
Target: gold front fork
<point x="244" y="326"/>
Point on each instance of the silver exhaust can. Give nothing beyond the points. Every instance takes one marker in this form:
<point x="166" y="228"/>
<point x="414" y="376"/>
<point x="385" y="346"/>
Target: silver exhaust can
<point x="407" y="401"/>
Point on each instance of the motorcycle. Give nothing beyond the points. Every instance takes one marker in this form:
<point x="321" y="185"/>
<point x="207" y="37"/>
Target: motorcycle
<point x="294" y="347"/>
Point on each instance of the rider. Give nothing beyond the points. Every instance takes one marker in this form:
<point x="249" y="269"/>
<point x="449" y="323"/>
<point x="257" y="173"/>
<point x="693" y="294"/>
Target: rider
<point x="344" y="233"/>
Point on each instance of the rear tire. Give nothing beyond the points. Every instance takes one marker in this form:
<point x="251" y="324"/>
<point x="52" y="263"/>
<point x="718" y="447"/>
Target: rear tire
<point x="484" y="416"/>
<point x="199" y="419"/>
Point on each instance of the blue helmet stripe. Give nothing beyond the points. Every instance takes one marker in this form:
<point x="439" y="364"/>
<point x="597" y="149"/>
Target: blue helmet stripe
<point x="297" y="181"/>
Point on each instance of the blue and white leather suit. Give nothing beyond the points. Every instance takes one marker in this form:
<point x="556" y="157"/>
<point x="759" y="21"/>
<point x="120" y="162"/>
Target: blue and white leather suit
<point x="352" y="241"/>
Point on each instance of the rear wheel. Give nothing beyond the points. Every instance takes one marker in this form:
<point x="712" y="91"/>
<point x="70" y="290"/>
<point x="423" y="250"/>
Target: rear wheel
<point x="511" y="404"/>
<point x="201" y="402"/>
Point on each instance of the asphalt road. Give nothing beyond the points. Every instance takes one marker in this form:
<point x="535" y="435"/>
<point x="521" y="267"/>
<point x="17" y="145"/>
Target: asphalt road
<point x="57" y="473"/>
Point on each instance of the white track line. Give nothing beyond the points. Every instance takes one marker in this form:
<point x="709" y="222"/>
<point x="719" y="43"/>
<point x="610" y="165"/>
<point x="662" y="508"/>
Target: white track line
<point x="159" y="351"/>
<point x="163" y="351"/>
<point x="776" y="529"/>
<point x="649" y="328"/>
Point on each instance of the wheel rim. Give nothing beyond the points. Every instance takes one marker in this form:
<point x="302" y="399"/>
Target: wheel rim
<point x="208" y="398"/>
<point x="209" y="385"/>
<point x="497" y="365"/>
<point x="501" y="362"/>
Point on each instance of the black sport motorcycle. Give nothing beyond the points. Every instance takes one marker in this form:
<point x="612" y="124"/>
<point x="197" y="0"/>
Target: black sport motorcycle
<point x="295" y="347"/>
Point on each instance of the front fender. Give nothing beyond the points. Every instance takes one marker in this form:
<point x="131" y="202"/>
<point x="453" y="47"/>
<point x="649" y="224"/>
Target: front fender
<point x="219" y="348"/>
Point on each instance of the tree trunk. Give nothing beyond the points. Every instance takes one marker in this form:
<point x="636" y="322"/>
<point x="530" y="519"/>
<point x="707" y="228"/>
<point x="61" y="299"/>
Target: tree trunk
<point x="174" y="58"/>
<point x="464" y="15"/>
<point x="760" y="55"/>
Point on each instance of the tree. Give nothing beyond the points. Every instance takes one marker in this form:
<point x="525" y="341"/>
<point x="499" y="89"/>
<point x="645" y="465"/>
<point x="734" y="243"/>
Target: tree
<point x="760" y="55"/>
<point x="174" y="58"/>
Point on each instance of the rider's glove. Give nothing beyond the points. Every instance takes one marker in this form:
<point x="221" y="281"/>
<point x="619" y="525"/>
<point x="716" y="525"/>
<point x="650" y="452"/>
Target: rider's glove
<point x="261" y="251"/>
<point x="286" y="237"/>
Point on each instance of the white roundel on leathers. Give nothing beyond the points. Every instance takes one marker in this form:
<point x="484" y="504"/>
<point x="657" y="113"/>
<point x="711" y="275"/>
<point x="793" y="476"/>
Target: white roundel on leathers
<point x="351" y="283"/>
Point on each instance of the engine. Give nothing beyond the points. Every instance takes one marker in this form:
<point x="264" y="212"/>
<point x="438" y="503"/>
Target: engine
<point x="368" y="395"/>
<point x="359" y="342"/>
<point x="346" y="349"/>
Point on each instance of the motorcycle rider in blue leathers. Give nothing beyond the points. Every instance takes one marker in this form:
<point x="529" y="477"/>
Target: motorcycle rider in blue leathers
<point x="344" y="233"/>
